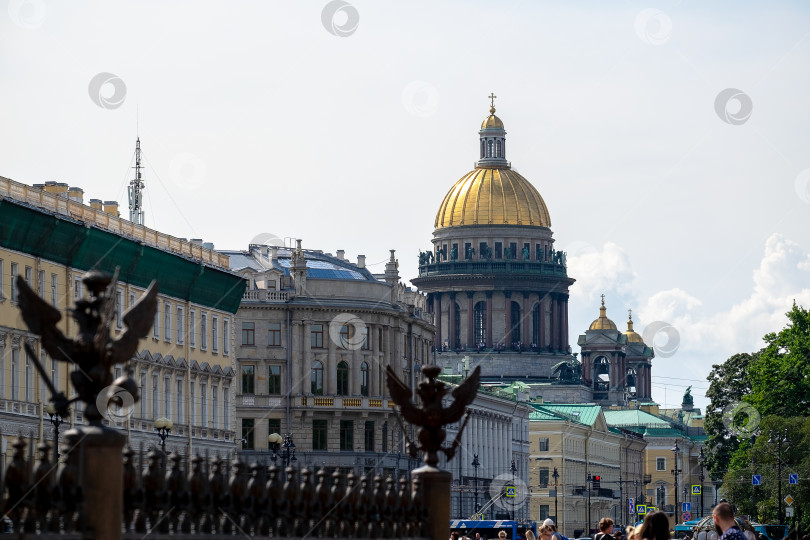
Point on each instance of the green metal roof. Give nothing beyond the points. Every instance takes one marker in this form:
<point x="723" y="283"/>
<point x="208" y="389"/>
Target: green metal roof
<point x="65" y="241"/>
<point x="633" y="418"/>
<point x="582" y="413"/>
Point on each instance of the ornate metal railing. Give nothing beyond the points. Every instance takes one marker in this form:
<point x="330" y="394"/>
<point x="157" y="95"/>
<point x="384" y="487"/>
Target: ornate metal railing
<point x="210" y="498"/>
<point x="493" y="267"/>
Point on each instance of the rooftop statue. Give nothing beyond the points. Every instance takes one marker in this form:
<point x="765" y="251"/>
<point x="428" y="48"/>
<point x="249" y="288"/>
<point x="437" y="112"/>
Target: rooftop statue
<point x="93" y="352"/>
<point x="432" y="416"/>
<point x="687" y="396"/>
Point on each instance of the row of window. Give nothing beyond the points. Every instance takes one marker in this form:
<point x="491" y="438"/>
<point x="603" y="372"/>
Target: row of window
<point x="319" y="434"/>
<point x="197" y="327"/>
<point x="342" y="374"/>
<point x="28" y="275"/>
<point x="24" y="372"/>
<point x="502" y="250"/>
<point x="205" y="406"/>
<point x="346" y="336"/>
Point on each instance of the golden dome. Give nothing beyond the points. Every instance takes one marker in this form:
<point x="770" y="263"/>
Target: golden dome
<point x="492" y="121"/>
<point x="492" y="196"/>
<point x="602" y="323"/>
<point x="632" y="337"/>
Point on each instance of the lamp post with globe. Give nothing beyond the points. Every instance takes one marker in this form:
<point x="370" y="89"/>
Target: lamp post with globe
<point x="57" y="421"/>
<point x="163" y="426"/>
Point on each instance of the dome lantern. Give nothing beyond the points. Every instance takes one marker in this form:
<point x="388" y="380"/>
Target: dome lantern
<point x="492" y="140"/>
<point x="603" y="323"/>
<point x="632" y="336"/>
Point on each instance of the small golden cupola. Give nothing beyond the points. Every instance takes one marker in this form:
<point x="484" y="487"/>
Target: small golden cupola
<point x="603" y="323"/>
<point x="632" y="336"/>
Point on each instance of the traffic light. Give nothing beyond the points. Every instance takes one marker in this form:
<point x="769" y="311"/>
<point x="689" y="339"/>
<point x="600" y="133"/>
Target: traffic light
<point x="596" y="481"/>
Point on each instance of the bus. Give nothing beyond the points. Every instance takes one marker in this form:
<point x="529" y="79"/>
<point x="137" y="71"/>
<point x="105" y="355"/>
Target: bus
<point x="771" y="532"/>
<point x="489" y="529"/>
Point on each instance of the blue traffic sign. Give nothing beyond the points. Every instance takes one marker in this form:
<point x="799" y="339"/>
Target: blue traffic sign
<point x="756" y="480"/>
<point x="632" y="505"/>
<point x="686" y="507"/>
<point x="793" y="478"/>
<point x="695" y="490"/>
<point x="511" y="491"/>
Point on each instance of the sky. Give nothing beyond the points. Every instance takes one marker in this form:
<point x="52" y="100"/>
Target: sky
<point x="669" y="140"/>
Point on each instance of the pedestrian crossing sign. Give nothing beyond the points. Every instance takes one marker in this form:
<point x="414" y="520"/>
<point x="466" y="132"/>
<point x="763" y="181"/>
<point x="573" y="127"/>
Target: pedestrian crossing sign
<point x="642" y="509"/>
<point x="511" y="491"/>
<point x="695" y="490"/>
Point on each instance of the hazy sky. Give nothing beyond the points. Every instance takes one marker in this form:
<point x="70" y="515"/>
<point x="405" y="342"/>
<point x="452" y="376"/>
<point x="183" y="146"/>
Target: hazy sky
<point x="669" y="139"/>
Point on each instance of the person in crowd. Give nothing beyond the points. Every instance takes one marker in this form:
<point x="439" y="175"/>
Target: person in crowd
<point x="530" y="535"/>
<point x="545" y="532"/>
<point x="724" y="524"/>
<point x="554" y="535"/>
<point x="605" y="529"/>
<point x="502" y="535"/>
<point x="631" y="532"/>
<point x="655" y="527"/>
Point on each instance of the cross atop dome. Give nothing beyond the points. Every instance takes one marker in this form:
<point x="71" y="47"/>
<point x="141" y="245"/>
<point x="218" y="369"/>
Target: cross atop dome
<point x="492" y="97"/>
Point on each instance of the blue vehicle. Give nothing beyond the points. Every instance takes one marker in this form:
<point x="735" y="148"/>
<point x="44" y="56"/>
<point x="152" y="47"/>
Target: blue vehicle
<point x="771" y="532"/>
<point x="489" y="529"/>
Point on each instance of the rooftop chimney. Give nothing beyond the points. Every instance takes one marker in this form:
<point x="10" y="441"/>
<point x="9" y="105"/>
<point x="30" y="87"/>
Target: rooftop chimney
<point x="97" y="204"/>
<point x="111" y="207"/>
<point x="361" y="261"/>
<point x="341" y="254"/>
<point x="76" y="194"/>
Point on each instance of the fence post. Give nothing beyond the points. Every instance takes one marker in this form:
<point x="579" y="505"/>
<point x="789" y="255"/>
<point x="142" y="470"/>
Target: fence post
<point x="436" y="498"/>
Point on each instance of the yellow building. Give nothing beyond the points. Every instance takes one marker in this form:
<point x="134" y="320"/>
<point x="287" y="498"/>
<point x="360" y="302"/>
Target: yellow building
<point x="184" y="371"/>
<point x="576" y="442"/>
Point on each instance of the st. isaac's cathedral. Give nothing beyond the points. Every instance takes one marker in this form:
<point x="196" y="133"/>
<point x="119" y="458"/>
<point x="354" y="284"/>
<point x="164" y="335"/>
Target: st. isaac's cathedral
<point x="499" y="291"/>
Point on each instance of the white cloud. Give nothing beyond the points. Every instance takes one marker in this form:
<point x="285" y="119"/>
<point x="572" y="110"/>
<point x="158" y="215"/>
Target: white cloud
<point x="597" y="272"/>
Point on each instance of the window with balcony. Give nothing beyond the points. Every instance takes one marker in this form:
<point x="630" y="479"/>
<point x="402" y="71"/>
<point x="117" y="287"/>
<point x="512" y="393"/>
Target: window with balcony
<point x="274" y="335"/>
<point x="346" y="435"/>
<point x="364" y="379"/>
<point x="248" y="379"/>
<point x="342" y="378"/>
<point x="247" y="433"/>
<point x="248" y="333"/>
<point x="316" y="378"/>
<point x="319" y="434"/>
<point x="368" y="436"/>
<point x="316" y="336"/>
<point x="273" y="380"/>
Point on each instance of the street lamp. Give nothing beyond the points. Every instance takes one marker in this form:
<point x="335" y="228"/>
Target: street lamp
<point x="555" y="475"/>
<point x="589" y="480"/>
<point x="276" y="442"/>
<point x="513" y="470"/>
<point x="163" y="426"/>
<point x="780" y="438"/>
<point x="701" y="461"/>
<point x="675" y="472"/>
<point x="57" y="421"/>
<point x="475" y="465"/>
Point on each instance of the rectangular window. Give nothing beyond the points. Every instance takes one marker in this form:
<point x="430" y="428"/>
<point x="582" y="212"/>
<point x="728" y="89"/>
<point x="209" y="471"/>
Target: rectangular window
<point x="538" y="254"/>
<point x="273" y="426"/>
<point x="214" y="333"/>
<point x="41" y="283"/>
<point x="247" y="433"/>
<point x="274" y="335"/>
<point x="498" y="250"/>
<point x="167" y="398"/>
<point x="181" y="325"/>
<point x="215" y="406"/>
<point x="316" y="336"/>
<point x="155" y="397"/>
<point x="543" y="512"/>
<point x="29" y="275"/>
<point x="319" y="434"/>
<point x="482" y="250"/>
<point x="14" y="270"/>
<point x="2" y="280"/>
<point x="192" y="328"/>
<point x="54" y="371"/>
<point x="347" y="435"/>
<point x="385" y="437"/>
<point x="543" y="477"/>
<point x="203" y="330"/>
<point x="156" y="326"/>
<point x="467" y="250"/>
<point x="226" y="408"/>
<point x="513" y="250"/>
<point x="119" y="306"/>
<point x="203" y="406"/>
<point x="78" y="288"/>
<point x="248" y="333"/>
<point x="192" y="407"/>
<point x="226" y="337"/>
<point x="15" y="374"/>
<point x="368" y="436"/>
<point x="180" y="418"/>
<point x="131" y="299"/>
<point x="543" y="444"/>
<point x="274" y="380"/>
<point x="661" y="464"/>
<point x="142" y="401"/>
<point x="248" y="379"/>
<point x="29" y="379"/>
<point x="364" y="341"/>
<point x="167" y="321"/>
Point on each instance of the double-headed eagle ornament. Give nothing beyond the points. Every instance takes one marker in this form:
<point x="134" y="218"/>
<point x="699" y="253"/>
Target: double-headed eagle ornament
<point x="432" y="416"/>
<point x="93" y="352"/>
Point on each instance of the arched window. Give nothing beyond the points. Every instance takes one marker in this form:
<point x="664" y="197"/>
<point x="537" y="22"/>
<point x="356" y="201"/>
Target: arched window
<point x="601" y="374"/>
<point x="536" y="326"/>
<point x="316" y="378"/>
<point x="516" y="322"/>
<point x="498" y="149"/>
<point x="483" y="148"/>
<point x="364" y="379"/>
<point x="632" y="380"/>
<point x="489" y="148"/>
<point x="342" y="379"/>
<point x="480" y="323"/>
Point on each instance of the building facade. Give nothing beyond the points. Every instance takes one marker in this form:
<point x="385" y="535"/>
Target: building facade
<point x="184" y="370"/>
<point x="315" y="334"/>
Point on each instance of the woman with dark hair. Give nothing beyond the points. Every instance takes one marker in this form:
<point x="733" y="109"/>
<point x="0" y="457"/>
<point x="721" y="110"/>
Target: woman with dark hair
<point x="655" y="527"/>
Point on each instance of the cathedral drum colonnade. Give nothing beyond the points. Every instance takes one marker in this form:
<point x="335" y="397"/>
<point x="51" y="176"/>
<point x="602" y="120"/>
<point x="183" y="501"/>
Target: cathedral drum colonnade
<point x="498" y="288"/>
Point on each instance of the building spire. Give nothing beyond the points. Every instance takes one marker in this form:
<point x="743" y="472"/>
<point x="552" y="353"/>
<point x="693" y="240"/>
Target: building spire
<point x="136" y="187"/>
<point x="492" y="140"/>
<point x="492" y="97"/>
<point x="630" y="320"/>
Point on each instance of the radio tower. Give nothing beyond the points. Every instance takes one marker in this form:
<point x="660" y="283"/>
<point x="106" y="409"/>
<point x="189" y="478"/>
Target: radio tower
<point x="136" y="186"/>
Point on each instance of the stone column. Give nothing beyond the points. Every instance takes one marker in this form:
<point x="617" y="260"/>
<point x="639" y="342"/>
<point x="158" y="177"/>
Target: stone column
<point x="543" y="307"/>
<point x="566" y="337"/>
<point x="507" y="307"/>
<point x="451" y="321"/>
<point x="438" y="314"/>
<point x="555" y="330"/>
<point x="489" y="319"/>
<point x="526" y="336"/>
<point x="471" y="320"/>
<point x="299" y="385"/>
